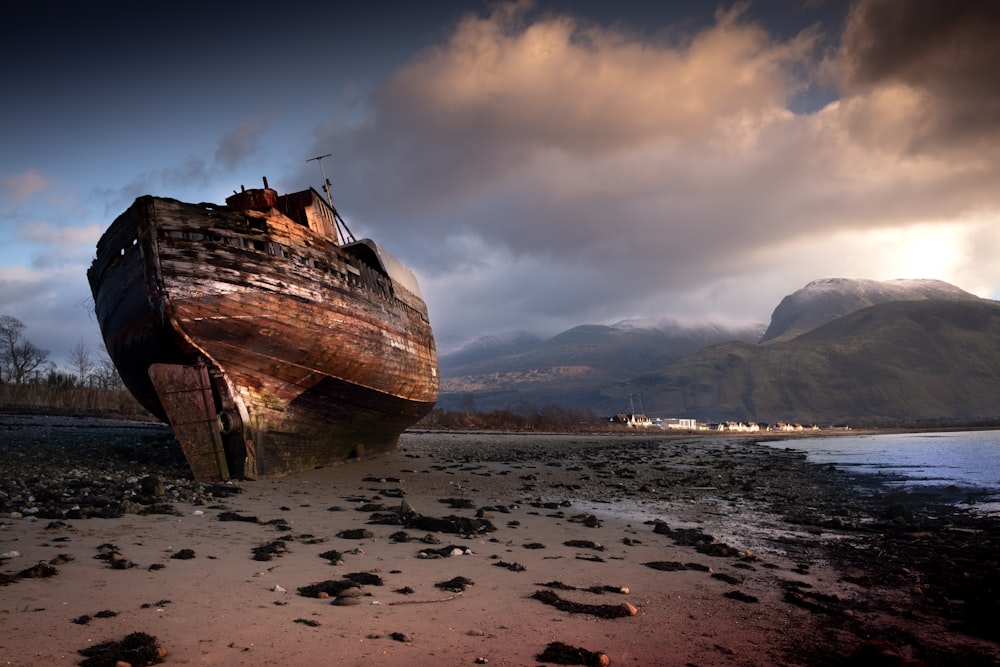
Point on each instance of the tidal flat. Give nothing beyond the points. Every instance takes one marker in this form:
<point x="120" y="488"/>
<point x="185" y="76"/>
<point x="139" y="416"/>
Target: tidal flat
<point x="482" y="548"/>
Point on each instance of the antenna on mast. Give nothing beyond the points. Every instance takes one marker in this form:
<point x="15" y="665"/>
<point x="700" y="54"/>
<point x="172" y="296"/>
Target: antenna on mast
<point x="326" y="181"/>
<point x="342" y="229"/>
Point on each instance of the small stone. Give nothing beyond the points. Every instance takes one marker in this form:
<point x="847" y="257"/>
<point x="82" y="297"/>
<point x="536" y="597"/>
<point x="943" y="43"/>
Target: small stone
<point x="352" y="592"/>
<point x="475" y="633"/>
<point x="342" y="601"/>
<point x="279" y="589"/>
<point x="323" y="595"/>
<point x="630" y="608"/>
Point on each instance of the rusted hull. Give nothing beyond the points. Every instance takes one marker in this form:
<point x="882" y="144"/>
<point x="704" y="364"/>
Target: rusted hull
<point x="267" y="346"/>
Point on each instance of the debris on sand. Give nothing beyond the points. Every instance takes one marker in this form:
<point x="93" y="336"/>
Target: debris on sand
<point x="308" y="621"/>
<point x="233" y="516"/>
<point x="110" y="554"/>
<point x="513" y="567"/>
<point x="740" y="596"/>
<point x="42" y="570"/>
<point x="270" y="551"/>
<point x="584" y="544"/>
<point x="564" y="654"/>
<point x="597" y="589"/>
<point x="355" y="534"/>
<point x="600" y="610"/>
<point x="137" y="649"/>
<point x="455" y="585"/>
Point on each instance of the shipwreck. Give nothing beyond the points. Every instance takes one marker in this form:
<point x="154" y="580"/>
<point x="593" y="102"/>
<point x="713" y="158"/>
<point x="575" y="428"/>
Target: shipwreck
<point x="267" y="337"/>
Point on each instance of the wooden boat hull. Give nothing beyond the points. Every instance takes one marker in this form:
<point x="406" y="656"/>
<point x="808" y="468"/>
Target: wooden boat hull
<point x="266" y="345"/>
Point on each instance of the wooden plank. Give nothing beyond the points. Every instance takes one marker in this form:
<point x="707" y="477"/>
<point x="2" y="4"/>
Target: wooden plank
<point x="185" y="393"/>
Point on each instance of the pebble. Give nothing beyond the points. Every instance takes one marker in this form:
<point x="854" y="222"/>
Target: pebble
<point x="352" y="592"/>
<point x="342" y="601"/>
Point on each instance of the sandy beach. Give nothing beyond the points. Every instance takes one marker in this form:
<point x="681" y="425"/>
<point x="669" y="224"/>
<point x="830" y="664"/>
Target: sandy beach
<point x="480" y="548"/>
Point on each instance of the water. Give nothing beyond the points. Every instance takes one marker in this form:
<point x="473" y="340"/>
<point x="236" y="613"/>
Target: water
<point x="966" y="463"/>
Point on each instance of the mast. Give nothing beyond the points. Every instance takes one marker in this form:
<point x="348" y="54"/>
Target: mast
<point x="342" y="229"/>
<point x="326" y="181"/>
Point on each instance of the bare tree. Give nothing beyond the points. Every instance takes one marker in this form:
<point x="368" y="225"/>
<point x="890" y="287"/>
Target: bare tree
<point x="106" y="375"/>
<point x="18" y="357"/>
<point x="80" y="361"/>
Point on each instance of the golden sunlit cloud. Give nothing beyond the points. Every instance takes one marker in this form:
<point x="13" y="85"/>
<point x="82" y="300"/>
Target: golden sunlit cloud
<point x="667" y="166"/>
<point x="555" y="82"/>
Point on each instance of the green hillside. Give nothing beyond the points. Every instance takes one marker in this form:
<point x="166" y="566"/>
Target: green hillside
<point x="904" y="361"/>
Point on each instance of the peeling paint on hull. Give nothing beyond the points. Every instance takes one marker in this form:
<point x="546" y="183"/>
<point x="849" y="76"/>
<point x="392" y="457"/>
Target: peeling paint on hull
<point x="267" y="345"/>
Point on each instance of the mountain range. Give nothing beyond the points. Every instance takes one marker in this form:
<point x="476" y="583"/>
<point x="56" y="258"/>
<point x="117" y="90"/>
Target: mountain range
<point x="837" y="351"/>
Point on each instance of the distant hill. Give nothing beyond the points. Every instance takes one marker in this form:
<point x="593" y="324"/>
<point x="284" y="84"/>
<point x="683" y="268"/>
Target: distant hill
<point x="930" y="360"/>
<point x="486" y="348"/>
<point x="836" y="351"/>
<point x="823" y="301"/>
<point x="570" y="368"/>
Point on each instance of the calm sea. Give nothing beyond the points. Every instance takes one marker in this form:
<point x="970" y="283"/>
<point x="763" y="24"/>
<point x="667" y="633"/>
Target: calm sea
<point x="965" y="463"/>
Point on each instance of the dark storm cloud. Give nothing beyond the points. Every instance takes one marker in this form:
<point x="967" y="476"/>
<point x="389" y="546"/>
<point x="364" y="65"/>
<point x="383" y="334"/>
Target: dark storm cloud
<point x="946" y="51"/>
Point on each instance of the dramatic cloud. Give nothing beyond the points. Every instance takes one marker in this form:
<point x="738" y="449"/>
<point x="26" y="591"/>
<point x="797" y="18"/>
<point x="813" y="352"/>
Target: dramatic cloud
<point x="943" y="54"/>
<point x="546" y="172"/>
<point x="537" y="170"/>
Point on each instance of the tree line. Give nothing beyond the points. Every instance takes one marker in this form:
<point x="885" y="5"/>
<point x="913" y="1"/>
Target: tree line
<point x="526" y="417"/>
<point x="23" y="362"/>
<point x="31" y="383"/>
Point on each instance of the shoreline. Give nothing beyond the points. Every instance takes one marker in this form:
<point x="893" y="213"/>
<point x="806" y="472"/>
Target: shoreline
<point x="732" y="552"/>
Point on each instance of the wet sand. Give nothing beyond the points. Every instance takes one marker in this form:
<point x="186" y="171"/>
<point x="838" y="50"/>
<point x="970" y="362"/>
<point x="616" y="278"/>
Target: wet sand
<point x="482" y="548"/>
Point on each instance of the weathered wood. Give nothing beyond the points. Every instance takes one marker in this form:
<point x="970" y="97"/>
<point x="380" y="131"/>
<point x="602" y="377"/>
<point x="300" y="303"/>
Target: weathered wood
<point x="186" y="396"/>
<point x="314" y="352"/>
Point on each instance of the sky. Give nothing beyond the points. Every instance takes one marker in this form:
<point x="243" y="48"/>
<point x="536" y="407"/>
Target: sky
<point x="538" y="165"/>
